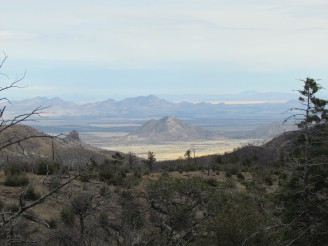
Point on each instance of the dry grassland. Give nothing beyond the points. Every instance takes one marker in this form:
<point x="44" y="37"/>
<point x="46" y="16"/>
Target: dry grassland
<point x="175" y="150"/>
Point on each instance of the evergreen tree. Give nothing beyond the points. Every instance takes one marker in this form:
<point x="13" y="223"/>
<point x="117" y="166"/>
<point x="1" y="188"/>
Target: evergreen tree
<point x="150" y="160"/>
<point x="304" y="196"/>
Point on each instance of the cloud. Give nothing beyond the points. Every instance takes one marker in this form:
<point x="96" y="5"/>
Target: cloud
<point x="17" y="36"/>
<point x="256" y="36"/>
<point x="148" y="33"/>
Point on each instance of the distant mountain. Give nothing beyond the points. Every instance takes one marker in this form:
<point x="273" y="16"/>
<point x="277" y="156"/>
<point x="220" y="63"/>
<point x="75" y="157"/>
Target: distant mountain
<point x="231" y="120"/>
<point x="170" y="129"/>
<point x="144" y="106"/>
<point x="53" y="106"/>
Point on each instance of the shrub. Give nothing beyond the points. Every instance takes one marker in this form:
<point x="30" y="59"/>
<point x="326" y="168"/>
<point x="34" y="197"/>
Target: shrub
<point x="41" y="168"/>
<point x="67" y="215"/>
<point x="228" y="175"/>
<point x="15" y="168"/>
<point x="137" y="172"/>
<point x="283" y="176"/>
<point x="131" y="182"/>
<point x="12" y="208"/>
<point x="122" y="172"/>
<point x="165" y="174"/>
<point x="85" y="177"/>
<point x="16" y="180"/>
<point x="171" y="169"/>
<point x="268" y="180"/>
<point x="230" y="184"/>
<point x="276" y="172"/>
<point x="52" y="223"/>
<point x="105" y="191"/>
<point x="54" y="183"/>
<point x="30" y="194"/>
<point x="212" y="182"/>
<point x="240" y="176"/>
<point x="234" y="170"/>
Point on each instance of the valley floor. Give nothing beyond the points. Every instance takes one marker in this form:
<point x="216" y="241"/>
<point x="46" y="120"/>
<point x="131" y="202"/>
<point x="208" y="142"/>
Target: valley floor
<point x="175" y="150"/>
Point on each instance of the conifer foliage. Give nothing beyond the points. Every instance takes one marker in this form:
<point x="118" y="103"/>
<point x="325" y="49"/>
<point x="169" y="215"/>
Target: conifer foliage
<point x="305" y="195"/>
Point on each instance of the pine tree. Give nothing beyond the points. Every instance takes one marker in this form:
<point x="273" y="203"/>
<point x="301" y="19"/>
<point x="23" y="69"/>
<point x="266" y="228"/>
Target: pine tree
<point x="305" y="196"/>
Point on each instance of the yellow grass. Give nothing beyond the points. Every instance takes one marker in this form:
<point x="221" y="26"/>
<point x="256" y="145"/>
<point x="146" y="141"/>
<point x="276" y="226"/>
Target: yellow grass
<point x="175" y="150"/>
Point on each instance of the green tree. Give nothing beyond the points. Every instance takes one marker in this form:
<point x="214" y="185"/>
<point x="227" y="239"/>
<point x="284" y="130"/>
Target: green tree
<point x="178" y="210"/>
<point x="132" y="160"/>
<point x="304" y="196"/>
<point x="82" y="207"/>
<point x="187" y="155"/>
<point x="150" y="160"/>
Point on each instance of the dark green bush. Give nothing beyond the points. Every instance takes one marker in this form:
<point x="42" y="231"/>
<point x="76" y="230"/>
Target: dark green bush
<point x="276" y="172"/>
<point x="44" y="167"/>
<point x="212" y="182"/>
<point x="52" y="223"/>
<point x="283" y="176"/>
<point x="230" y="184"/>
<point x="15" y="168"/>
<point x="240" y="176"/>
<point x="137" y="172"/>
<point x="268" y="180"/>
<point x="165" y="174"/>
<point x="30" y="194"/>
<point x="228" y="175"/>
<point x="68" y="216"/>
<point x="16" y="180"/>
<point x="41" y="168"/>
<point x="85" y="177"/>
<point x="234" y="170"/>
<point x="104" y="191"/>
<point x="131" y="182"/>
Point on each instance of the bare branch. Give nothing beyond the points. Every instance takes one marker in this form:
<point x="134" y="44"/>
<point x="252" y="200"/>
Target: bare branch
<point x="3" y="60"/>
<point x="262" y="230"/>
<point x="34" y="203"/>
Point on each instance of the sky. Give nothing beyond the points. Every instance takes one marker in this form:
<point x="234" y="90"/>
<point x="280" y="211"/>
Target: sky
<point x="100" y="49"/>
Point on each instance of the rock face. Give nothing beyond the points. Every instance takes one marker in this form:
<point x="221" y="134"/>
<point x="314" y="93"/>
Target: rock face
<point x="73" y="136"/>
<point x="170" y="129"/>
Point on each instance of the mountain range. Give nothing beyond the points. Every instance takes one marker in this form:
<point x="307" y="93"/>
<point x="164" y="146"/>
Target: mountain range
<point x="231" y="120"/>
<point x="141" y="106"/>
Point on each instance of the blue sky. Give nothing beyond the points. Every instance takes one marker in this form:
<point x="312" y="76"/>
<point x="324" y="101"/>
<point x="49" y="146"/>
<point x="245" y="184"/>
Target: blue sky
<point x="114" y="49"/>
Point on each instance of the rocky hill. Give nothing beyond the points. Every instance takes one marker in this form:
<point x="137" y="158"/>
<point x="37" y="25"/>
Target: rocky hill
<point x="69" y="150"/>
<point x="170" y="129"/>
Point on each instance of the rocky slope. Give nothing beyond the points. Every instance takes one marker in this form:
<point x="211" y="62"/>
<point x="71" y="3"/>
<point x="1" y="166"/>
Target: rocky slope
<point x="69" y="150"/>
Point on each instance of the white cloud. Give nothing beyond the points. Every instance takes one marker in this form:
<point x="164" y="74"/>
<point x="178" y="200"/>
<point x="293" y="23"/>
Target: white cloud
<point x="126" y="33"/>
<point x="256" y="34"/>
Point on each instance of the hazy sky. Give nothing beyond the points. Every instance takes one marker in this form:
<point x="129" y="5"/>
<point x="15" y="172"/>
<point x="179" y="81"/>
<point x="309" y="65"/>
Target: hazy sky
<point x="120" y="48"/>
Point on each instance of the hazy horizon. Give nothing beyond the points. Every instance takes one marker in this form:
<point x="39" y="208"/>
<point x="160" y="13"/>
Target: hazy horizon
<point x="250" y="97"/>
<point x="118" y="49"/>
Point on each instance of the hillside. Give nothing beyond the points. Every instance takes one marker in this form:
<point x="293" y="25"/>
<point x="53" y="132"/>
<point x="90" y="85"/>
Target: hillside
<point x="69" y="150"/>
<point x="217" y="191"/>
<point x="170" y="129"/>
<point x="269" y="131"/>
